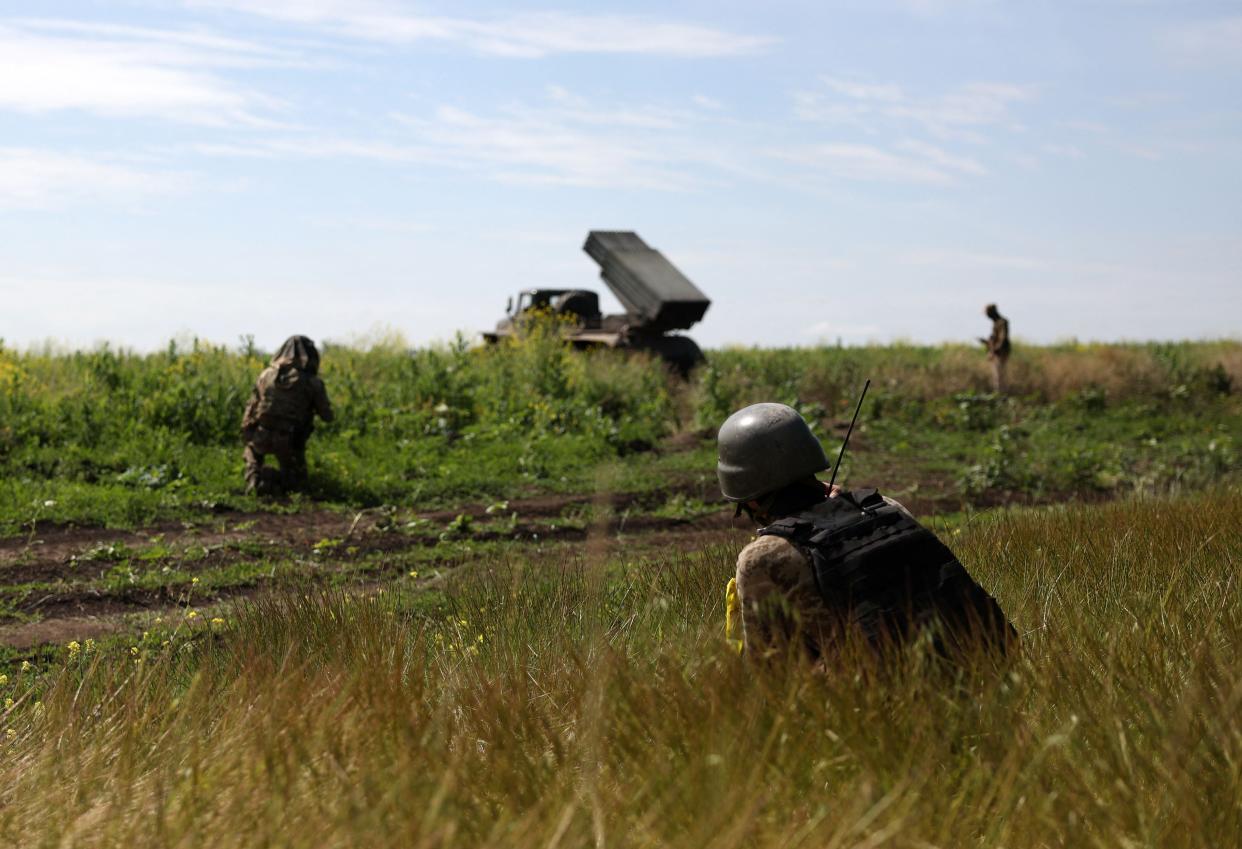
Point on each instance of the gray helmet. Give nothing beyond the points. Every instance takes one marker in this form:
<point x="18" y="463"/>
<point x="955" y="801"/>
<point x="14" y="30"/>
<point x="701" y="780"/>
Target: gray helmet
<point x="763" y="448"/>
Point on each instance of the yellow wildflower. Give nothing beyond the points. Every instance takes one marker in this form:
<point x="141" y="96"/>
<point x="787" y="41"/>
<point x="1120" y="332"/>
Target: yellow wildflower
<point x="25" y="666"/>
<point x="217" y="622"/>
<point x="90" y="645"/>
<point x="11" y="733"/>
<point x="191" y="614"/>
<point x="74" y="647"/>
<point x="133" y="650"/>
<point x="4" y="679"/>
<point x="194" y="580"/>
<point x="8" y="704"/>
<point x="413" y="573"/>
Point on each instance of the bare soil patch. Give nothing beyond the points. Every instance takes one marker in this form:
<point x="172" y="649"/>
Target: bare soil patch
<point x="69" y="608"/>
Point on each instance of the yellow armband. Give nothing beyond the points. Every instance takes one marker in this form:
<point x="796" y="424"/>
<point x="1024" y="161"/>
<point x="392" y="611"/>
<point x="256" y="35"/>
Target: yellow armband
<point x="733" y="616"/>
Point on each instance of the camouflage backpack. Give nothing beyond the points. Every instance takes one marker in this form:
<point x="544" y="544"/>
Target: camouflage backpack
<point x="891" y="577"/>
<point x="283" y="400"/>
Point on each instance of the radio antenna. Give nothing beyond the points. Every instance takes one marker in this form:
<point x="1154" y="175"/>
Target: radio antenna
<point x="853" y="422"/>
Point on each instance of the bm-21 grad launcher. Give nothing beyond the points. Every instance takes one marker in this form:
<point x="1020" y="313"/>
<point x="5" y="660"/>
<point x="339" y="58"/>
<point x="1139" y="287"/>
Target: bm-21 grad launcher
<point x="659" y="300"/>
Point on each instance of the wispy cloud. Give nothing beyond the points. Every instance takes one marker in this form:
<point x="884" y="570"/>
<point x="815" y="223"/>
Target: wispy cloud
<point x="36" y="179"/>
<point x="868" y="162"/>
<point x="1067" y="151"/>
<point x="520" y="35"/>
<point x="960" y="260"/>
<point x="546" y="149"/>
<point x="559" y="140"/>
<point x="50" y="66"/>
<point x="961" y="113"/>
<point x="860" y="115"/>
<point x="1206" y="43"/>
<point x="932" y="8"/>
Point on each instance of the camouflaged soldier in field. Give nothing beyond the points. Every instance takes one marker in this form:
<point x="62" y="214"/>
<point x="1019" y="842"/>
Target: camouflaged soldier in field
<point x="998" y="346"/>
<point x="280" y="417"/>
<point x="830" y="565"/>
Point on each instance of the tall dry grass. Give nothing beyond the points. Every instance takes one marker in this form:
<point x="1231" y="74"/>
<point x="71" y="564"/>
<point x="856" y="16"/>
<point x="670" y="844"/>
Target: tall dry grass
<point x="595" y="704"/>
<point x="833" y="376"/>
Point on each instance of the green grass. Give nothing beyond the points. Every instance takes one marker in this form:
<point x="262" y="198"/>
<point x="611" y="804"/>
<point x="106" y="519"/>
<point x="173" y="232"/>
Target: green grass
<point x="120" y="440"/>
<point x="585" y="701"/>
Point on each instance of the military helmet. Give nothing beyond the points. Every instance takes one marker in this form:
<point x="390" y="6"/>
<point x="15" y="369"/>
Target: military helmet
<point x="763" y="448"/>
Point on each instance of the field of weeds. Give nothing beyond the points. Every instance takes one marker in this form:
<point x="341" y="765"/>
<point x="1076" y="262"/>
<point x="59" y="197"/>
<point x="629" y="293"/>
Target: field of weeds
<point x="114" y="439"/>
<point x="591" y="700"/>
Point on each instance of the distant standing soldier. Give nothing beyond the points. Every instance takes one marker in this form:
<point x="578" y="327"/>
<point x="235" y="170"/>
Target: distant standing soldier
<point x="998" y="346"/>
<point x="831" y="566"/>
<point x="280" y="417"/>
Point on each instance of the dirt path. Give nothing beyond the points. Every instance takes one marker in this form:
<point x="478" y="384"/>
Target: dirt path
<point x="58" y="564"/>
<point x="62" y="567"/>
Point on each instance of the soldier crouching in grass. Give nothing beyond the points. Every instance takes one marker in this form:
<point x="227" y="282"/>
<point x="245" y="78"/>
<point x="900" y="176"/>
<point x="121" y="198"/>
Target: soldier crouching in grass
<point x="830" y="567"/>
<point x="280" y="417"/>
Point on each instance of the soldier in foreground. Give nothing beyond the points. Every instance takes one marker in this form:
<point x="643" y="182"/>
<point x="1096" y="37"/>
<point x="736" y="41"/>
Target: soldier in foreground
<point x="280" y="417"/>
<point x="830" y="566"/>
<point x="998" y="346"/>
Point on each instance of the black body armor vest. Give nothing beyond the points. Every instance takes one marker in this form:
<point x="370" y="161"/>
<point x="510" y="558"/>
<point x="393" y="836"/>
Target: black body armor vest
<point x="891" y="577"/>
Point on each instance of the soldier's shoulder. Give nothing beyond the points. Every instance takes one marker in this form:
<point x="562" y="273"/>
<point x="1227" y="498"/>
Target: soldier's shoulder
<point x="766" y="550"/>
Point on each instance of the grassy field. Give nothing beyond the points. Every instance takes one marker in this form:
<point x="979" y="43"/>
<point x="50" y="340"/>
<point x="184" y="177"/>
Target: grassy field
<point x="496" y="618"/>
<point x="120" y="440"/>
<point x="591" y="700"/>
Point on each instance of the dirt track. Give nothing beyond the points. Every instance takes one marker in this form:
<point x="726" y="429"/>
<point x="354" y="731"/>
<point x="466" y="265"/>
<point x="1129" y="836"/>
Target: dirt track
<point x="62" y="561"/>
<point x="59" y="558"/>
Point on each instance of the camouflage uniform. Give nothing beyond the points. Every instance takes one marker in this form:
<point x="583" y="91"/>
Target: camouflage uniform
<point x="279" y="417"/>
<point x="998" y="347"/>
<point x="778" y="597"/>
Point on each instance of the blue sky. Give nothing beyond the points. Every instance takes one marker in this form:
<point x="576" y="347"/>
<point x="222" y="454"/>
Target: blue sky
<point x="862" y="170"/>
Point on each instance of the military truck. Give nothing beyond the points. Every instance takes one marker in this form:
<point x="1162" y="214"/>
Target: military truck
<point x="658" y="299"/>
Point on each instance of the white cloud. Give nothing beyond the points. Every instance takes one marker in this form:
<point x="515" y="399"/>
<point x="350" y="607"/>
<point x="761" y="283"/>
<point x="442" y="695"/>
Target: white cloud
<point x="1206" y="43"/>
<point x="561" y="140"/>
<point x="554" y="147"/>
<point x="958" y="260"/>
<point x="868" y="162"/>
<point x="35" y="179"/>
<point x="521" y="35"/>
<point x="930" y="125"/>
<point x="855" y="90"/>
<point x="941" y="158"/>
<point x="879" y="108"/>
<point x="49" y="66"/>
<point x="933" y="8"/>
<point x="1067" y="151"/>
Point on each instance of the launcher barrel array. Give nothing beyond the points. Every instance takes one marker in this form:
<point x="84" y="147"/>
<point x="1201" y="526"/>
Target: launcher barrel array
<point x="652" y="290"/>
